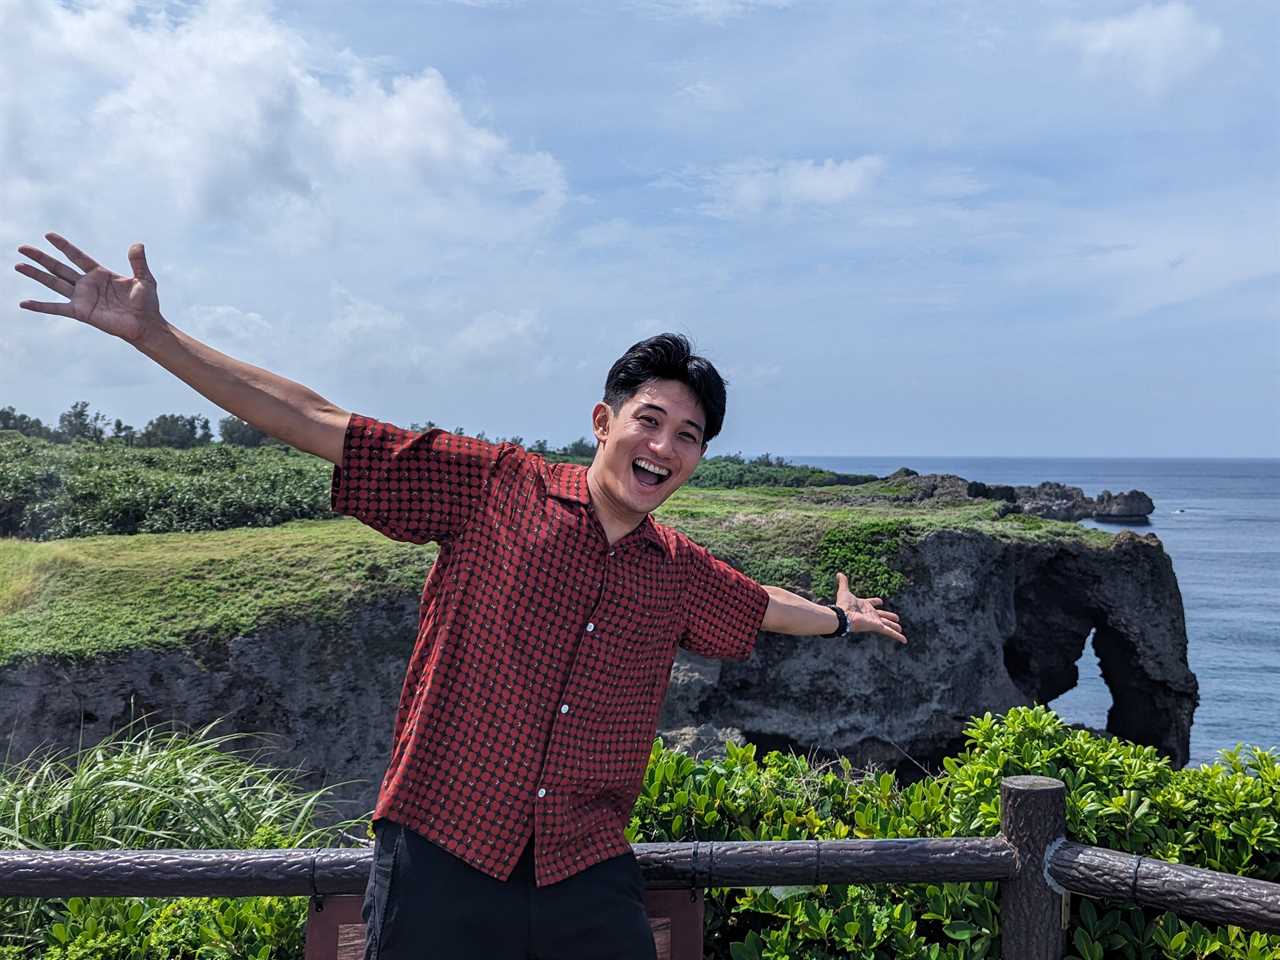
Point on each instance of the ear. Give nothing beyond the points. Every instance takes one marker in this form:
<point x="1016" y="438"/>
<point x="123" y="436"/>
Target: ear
<point x="601" y="418"/>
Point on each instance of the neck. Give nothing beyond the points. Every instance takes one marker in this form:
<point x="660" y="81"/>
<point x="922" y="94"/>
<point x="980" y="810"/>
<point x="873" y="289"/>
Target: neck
<point x="614" y="517"/>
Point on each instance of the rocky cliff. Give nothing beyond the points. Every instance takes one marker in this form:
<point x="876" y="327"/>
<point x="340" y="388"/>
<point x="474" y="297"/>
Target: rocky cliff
<point x="994" y="621"/>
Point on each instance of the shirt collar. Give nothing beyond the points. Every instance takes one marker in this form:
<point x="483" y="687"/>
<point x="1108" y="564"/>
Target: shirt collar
<point x="568" y="481"/>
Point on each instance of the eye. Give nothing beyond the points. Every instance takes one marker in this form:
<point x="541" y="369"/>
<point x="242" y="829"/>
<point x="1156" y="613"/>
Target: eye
<point x="688" y="436"/>
<point x="648" y="419"/>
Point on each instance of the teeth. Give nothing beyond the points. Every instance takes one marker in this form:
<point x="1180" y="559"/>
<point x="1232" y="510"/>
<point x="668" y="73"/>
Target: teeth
<point x="652" y="467"/>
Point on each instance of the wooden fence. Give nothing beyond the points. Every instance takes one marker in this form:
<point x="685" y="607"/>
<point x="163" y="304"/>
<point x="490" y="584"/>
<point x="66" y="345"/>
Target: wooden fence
<point x="1037" y="867"/>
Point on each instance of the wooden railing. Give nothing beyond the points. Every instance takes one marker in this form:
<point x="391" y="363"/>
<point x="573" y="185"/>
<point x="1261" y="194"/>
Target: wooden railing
<point x="1037" y="867"/>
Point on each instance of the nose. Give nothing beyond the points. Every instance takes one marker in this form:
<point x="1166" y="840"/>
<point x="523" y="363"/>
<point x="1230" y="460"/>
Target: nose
<point x="661" y="445"/>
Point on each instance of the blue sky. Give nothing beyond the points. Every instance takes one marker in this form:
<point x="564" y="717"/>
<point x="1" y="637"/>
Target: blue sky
<point x="955" y="228"/>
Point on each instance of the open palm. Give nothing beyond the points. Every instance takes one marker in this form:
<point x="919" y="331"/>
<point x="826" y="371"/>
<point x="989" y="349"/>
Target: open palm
<point x="122" y="306"/>
<point x="865" y="615"/>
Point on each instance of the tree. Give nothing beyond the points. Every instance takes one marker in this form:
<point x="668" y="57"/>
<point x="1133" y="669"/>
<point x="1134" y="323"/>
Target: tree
<point x="10" y="419"/>
<point x="539" y="446"/>
<point x="238" y="433"/>
<point x="123" y="431"/>
<point x="582" y="447"/>
<point x="76" y="424"/>
<point x="175" y="430"/>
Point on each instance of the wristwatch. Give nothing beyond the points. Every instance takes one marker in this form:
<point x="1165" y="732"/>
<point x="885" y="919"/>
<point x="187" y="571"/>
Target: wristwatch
<point x="842" y="626"/>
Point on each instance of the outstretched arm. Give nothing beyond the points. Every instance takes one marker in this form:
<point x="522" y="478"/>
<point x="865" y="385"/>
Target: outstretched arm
<point x="128" y="308"/>
<point x="792" y="614"/>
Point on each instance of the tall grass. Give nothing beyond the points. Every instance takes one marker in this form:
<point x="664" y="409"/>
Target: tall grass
<point x="151" y="787"/>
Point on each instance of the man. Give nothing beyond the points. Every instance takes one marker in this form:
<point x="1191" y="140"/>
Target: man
<point x="547" y="630"/>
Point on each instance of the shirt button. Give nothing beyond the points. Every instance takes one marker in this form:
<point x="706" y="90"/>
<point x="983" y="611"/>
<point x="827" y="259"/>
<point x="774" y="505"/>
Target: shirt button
<point x="590" y="627"/>
<point x="564" y="708"/>
<point x="542" y="792"/>
<point x="612" y="552"/>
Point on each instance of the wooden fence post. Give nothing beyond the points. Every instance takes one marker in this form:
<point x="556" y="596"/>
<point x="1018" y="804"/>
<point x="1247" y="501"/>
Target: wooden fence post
<point x="1033" y="814"/>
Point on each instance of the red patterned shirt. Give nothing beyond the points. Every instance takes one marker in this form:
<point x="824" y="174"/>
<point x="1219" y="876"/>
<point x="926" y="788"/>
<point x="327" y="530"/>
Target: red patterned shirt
<point x="543" y="654"/>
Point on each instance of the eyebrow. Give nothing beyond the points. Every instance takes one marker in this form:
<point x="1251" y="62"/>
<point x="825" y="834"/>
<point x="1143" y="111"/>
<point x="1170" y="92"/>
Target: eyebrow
<point x="654" y="406"/>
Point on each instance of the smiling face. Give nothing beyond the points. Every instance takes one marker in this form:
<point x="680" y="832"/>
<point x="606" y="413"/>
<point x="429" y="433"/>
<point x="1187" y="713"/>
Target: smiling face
<point x="647" y="450"/>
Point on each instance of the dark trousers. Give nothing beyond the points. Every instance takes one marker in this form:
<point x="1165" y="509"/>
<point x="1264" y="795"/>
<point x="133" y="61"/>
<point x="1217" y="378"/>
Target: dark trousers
<point x="423" y="903"/>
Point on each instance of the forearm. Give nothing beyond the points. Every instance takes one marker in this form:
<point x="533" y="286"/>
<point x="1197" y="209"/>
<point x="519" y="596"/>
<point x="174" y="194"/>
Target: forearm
<point x="792" y="614"/>
<point x="273" y="404"/>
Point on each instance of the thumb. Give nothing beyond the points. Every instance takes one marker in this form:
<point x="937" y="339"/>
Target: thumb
<point x="842" y="582"/>
<point x="138" y="261"/>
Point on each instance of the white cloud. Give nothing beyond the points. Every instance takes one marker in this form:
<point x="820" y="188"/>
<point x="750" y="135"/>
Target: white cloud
<point x="711" y="11"/>
<point x="225" y="115"/>
<point x="233" y="329"/>
<point x="1154" y="47"/>
<point x="708" y="95"/>
<point x="748" y="188"/>
<point x="372" y="340"/>
<point x="955" y="184"/>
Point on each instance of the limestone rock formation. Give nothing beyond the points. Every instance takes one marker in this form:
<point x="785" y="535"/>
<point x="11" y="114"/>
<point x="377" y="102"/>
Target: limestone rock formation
<point x="1132" y="507"/>
<point x="993" y="624"/>
<point x="1052" y="501"/>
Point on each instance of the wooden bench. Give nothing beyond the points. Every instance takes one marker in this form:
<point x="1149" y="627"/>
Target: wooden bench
<point x="335" y="930"/>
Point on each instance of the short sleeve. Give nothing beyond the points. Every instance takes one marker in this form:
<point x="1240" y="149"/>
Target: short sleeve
<point x="724" y="608"/>
<point x="409" y="485"/>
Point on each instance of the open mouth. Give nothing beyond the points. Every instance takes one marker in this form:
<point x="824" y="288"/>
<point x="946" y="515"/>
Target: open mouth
<point x="648" y="473"/>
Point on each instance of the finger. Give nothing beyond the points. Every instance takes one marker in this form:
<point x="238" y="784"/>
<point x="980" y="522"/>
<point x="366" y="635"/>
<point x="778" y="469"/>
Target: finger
<point x="56" y="267"/>
<point x="897" y="634"/>
<point x="138" y="260"/>
<point x="842" y="582"/>
<point x="56" y="284"/>
<point x="61" y="309"/>
<point x="73" y="253"/>
<point x="875" y="602"/>
<point x="888" y="616"/>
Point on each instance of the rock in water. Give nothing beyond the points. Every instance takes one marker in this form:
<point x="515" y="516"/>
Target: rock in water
<point x="1133" y="507"/>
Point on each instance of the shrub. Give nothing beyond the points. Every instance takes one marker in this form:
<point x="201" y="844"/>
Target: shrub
<point x="1223" y="816"/>
<point x="731" y="471"/>
<point x="160" y="790"/>
<point x="78" y="490"/>
<point x="51" y="491"/>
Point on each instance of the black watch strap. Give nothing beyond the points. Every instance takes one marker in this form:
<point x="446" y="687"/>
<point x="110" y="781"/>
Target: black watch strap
<point x="842" y="627"/>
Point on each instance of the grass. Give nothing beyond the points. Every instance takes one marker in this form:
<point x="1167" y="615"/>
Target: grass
<point x="153" y="787"/>
<point x="88" y="596"/>
<point x="94" y="595"/>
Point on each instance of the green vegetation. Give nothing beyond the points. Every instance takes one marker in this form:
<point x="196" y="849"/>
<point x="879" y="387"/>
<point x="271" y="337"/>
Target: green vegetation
<point x="1224" y="816"/>
<point x="94" y="595"/>
<point x="232" y="539"/>
<point x="866" y="552"/>
<point x="223" y="561"/>
<point x="731" y="470"/>
<point x="87" y="596"/>
<point x="157" y="788"/>
<point x="149" y="790"/>
<point x="51" y="491"/>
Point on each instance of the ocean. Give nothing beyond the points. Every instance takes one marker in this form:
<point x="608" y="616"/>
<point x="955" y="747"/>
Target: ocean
<point x="1220" y="522"/>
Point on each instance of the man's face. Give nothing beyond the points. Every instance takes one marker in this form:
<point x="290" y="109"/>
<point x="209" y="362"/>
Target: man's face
<point x="660" y="427"/>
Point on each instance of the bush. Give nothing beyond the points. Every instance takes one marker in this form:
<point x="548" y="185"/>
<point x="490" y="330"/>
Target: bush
<point x="160" y="790"/>
<point x="52" y="491"/>
<point x="1224" y="816"/>
<point x="183" y="791"/>
<point x="732" y="471"/>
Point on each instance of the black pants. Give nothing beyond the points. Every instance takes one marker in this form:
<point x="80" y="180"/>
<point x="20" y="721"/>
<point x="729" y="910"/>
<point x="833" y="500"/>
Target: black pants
<point x="424" y="903"/>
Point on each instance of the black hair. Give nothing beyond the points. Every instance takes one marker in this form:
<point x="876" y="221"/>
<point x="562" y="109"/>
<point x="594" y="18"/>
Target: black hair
<point x="668" y="356"/>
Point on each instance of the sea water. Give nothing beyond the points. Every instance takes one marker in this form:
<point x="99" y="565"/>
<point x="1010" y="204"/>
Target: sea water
<point x="1219" y="521"/>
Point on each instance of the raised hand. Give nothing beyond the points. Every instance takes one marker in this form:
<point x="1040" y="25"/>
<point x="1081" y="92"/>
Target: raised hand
<point x="126" y="307"/>
<point x="865" y="615"/>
